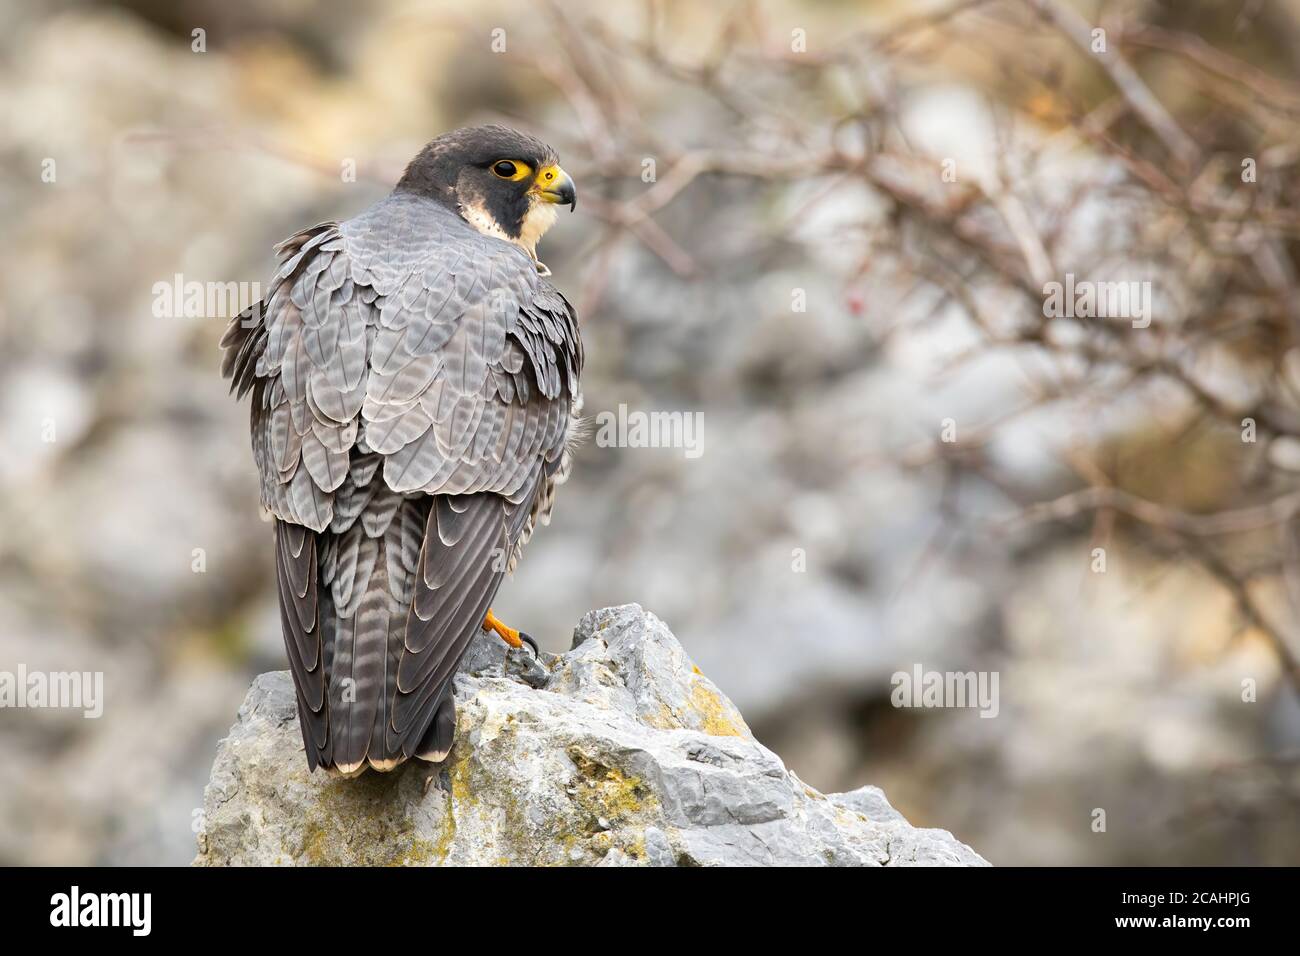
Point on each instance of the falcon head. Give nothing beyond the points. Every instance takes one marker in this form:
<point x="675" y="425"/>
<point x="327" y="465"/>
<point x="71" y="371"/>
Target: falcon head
<point x="502" y="182"/>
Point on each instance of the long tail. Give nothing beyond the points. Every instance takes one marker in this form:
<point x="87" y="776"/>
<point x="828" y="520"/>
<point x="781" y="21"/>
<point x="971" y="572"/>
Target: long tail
<point x="345" y="594"/>
<point x="379" y="608"/>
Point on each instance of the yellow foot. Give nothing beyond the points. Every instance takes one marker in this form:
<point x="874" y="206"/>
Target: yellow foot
<point x="507" y="634"/>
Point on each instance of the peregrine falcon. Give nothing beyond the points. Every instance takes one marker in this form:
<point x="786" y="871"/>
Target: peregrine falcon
<point x="414" y="382"/>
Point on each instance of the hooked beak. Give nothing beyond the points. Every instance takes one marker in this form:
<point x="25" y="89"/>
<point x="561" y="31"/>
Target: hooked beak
<point x="554" y="185"/>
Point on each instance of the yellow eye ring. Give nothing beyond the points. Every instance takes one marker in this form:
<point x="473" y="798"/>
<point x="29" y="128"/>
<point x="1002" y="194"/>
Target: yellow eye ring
<point x="511" y="169"/>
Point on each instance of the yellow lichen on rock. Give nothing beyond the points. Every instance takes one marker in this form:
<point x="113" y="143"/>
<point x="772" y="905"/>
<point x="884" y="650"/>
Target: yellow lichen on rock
<point x="606" y="793"/>
<point x="717" y="717"/>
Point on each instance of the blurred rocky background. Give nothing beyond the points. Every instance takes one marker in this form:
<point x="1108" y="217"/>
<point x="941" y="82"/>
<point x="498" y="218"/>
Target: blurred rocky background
<point x="828" y="227"/>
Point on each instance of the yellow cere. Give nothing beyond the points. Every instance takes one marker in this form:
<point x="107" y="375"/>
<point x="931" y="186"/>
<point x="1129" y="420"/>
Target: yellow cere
<point x="548" y="176"/>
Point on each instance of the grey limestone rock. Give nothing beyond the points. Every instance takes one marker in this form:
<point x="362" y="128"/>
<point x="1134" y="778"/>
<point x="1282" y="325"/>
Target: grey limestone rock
<point x="616" y="753"/>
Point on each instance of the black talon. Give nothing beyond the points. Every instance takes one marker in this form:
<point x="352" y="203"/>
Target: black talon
<point x="528" y="639"/>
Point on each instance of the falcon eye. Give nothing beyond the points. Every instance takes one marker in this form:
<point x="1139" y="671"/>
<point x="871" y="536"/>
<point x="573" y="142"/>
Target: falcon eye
<point x="510" y="169"/>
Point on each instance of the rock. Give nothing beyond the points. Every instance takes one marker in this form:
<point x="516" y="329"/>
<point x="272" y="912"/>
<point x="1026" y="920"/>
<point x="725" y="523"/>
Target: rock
<point x="616" y="753"/>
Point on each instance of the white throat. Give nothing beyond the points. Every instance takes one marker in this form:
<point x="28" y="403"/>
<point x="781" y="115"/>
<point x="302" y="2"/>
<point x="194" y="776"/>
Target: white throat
<point x="540" y="217"/>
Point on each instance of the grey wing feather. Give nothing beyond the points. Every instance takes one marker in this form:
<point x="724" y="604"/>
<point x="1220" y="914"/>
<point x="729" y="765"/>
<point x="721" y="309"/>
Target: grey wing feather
<point x="296" y="572"/>
<point x="463" y="560"/>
